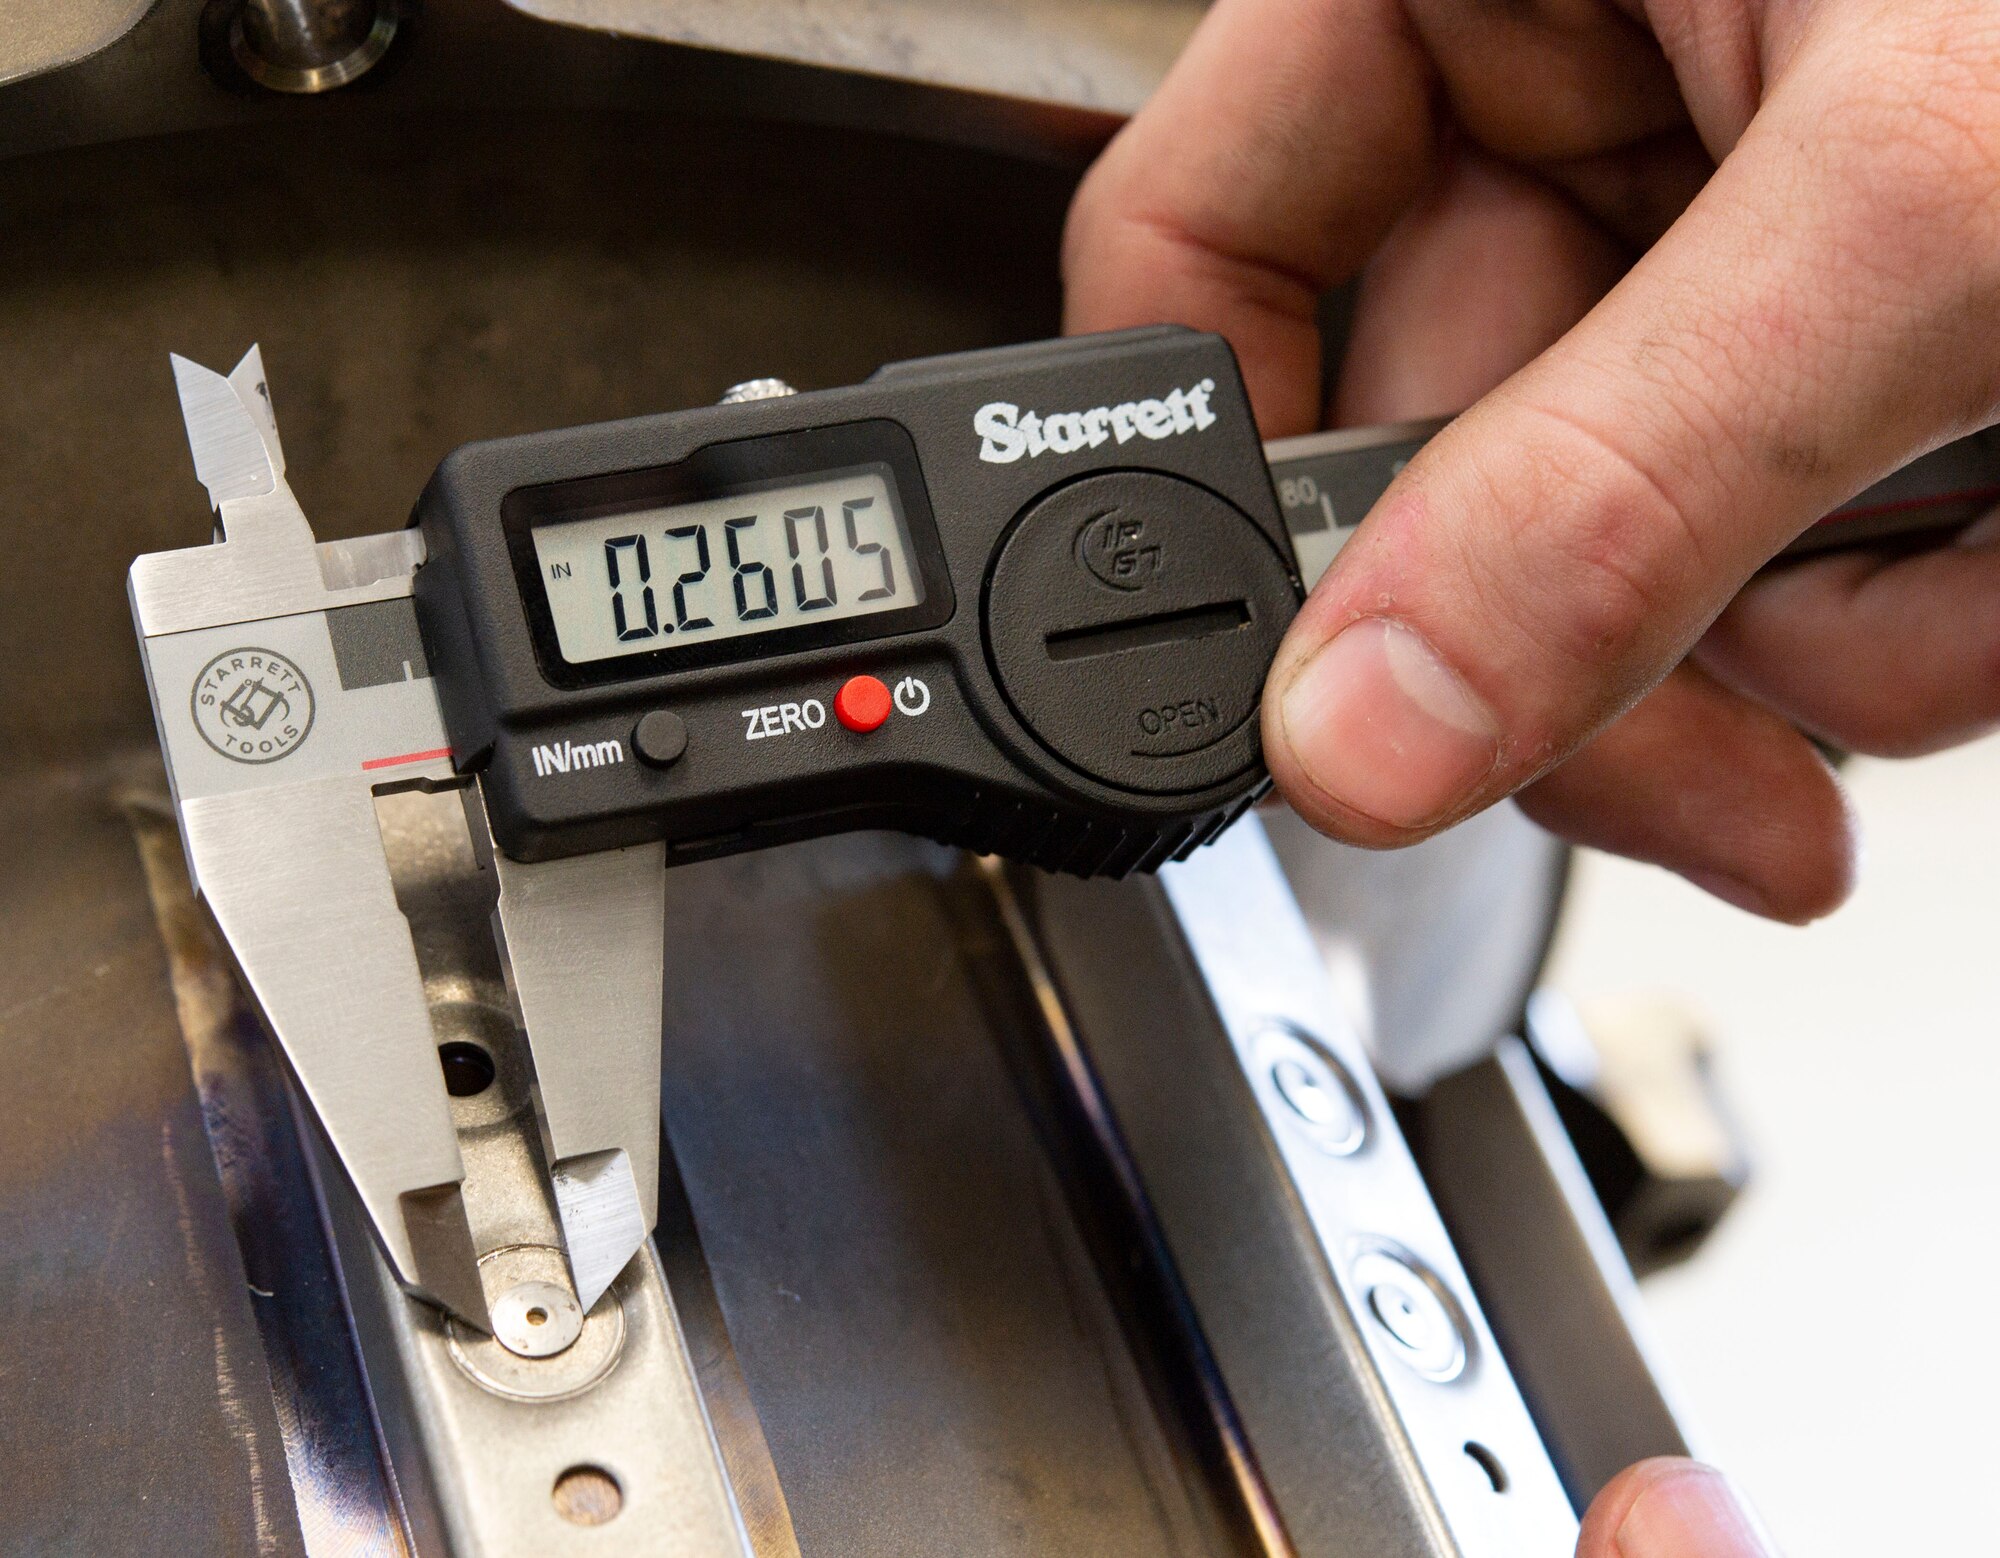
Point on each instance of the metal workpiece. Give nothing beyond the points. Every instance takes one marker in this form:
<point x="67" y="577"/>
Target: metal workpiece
<point x="1377" y="1403"/>
<point x="935" y="1361"/>
<point x="1548" y="1268"/>
<point x="584" y="941"/>
<point x="1384" y="1244"/>
<point x="138" y="1418"/>
<point x="558" y="1434"/>
<point x="1066" y="1097"/>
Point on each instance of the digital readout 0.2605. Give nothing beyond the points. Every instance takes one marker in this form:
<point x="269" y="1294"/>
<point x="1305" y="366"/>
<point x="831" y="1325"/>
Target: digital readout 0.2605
<point x="814" y="550"/>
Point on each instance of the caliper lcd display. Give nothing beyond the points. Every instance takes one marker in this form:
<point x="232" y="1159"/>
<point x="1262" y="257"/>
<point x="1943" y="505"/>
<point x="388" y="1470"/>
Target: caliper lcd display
<point x="777" y="555"/>
<point x="745" y="550"/>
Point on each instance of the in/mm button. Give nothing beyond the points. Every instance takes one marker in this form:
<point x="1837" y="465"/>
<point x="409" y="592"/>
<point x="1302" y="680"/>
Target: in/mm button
<point x="862" y="704"/>
<point x="660" y="738"/>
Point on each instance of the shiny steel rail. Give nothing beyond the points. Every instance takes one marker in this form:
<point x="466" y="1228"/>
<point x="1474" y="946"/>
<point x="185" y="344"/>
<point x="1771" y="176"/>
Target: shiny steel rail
<point x="1327" y="482"/>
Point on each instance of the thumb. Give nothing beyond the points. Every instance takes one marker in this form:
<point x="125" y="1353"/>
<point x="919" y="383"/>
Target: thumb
<point x="1826" y="308"/>
<point x="1670" y="1509"/>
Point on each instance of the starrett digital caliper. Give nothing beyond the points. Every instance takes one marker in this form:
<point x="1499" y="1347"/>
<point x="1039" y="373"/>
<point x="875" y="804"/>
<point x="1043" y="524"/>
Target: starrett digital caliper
<point x="1021" y="601"/>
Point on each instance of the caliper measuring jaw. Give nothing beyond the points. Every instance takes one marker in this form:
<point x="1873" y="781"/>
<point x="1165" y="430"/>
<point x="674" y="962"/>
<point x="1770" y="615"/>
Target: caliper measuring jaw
<point x="289" y="686"/>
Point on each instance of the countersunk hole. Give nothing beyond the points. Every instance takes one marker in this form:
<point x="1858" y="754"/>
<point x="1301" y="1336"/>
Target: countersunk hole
<point x="537" y="1316"/>
<point x="587" y="1496"/>
<point x="1489" y="1463"/>
<point x="468" y="1069"/>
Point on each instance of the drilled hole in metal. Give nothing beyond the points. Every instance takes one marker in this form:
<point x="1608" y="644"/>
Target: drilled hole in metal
<point x="1489" y="1463"/>
<point x="468" y="1069"/>
<point x="587" y="1496"/>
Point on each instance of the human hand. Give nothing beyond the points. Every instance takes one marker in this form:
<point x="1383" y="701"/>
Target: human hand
<point x="1714" y="266"/>
<point x="1670" y="1509"/>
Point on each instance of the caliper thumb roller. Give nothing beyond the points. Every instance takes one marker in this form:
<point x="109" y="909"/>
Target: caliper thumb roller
<point x="1020" y="601"/>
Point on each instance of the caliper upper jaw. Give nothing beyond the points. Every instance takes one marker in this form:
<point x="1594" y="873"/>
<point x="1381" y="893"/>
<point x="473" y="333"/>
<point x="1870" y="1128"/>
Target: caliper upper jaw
<point x="297" y="880"/>
<point x="584" y="941"/>
<point x="275" y="745"/>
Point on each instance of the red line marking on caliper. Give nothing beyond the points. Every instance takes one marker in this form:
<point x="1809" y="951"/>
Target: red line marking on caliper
<point x="407" y="757"/>
<point x="1908" y="505"/>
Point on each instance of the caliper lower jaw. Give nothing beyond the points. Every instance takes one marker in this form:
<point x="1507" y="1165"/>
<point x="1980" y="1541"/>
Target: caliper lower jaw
<point x="604" y="1217"/>
<point x="584" y="943"/>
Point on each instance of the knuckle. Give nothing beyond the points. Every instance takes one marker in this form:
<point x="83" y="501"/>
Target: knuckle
<point x="1914" y="132"/>
<point x="1608" y="552"/>
<point x="1897" y="124"/>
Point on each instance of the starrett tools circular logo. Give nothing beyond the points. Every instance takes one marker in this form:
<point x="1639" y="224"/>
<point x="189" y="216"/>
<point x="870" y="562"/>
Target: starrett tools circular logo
<point x="252" y="705"/>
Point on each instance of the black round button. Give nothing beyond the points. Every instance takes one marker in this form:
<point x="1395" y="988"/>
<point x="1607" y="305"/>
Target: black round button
<point x="1132" y="617"/>
<point x="660" y="737"/>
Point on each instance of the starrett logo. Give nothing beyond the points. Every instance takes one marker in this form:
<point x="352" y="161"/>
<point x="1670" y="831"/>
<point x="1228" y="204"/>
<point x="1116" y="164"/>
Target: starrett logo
<point x="1006" y="432"/>
<point x="252" y="705"/>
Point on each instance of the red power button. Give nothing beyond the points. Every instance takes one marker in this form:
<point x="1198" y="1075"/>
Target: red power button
<point x="862" y="703"/>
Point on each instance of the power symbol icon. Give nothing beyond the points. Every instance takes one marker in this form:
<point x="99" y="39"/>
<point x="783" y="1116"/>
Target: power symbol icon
<point x="912" y="695"/>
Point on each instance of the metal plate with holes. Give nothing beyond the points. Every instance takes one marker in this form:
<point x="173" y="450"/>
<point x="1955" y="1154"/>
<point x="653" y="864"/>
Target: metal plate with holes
<point x="1371" y="1213"/>
<point x="1264" y="1222"/>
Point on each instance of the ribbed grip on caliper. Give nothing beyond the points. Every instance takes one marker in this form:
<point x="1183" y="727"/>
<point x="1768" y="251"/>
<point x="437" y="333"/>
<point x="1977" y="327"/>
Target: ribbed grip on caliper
<point x="1086" y="846"/>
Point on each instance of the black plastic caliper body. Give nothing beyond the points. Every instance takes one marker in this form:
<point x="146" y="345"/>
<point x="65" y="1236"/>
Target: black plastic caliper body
<point x="1021" y="601"/>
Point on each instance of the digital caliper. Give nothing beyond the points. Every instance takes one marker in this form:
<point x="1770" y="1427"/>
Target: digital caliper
<point x="1021" y="601"/>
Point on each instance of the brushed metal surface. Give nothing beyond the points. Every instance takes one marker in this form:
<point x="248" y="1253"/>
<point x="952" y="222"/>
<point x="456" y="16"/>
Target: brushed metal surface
<point x="585" y="940"/>
<point x="146" y="1374"/>
<point x="1370" y="1209"/>
<point x="916" y="1314"/>
<point x="342" y="1485"/>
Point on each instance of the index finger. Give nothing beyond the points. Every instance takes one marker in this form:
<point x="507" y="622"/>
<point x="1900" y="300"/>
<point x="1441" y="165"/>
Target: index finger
<point x="1269" y="164"/>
